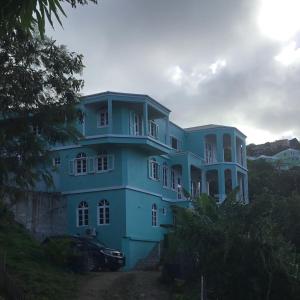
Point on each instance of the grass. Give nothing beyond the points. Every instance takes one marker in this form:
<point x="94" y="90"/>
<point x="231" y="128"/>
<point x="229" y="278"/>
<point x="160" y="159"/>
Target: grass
<point x="29" y="266"/>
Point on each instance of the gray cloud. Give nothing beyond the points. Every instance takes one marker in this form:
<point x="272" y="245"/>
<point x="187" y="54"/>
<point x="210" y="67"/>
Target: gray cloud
<point x="135" y="45"/>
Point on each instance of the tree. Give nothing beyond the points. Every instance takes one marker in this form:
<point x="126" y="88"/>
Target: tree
<point x="26" y="14"/>
<point x="240" y="250"/>
<point x="38" y="93"/>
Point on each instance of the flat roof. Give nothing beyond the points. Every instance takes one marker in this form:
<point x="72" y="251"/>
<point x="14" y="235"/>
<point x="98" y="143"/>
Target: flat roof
<point x="211" y="126"/>
<point x="129" y="95"/>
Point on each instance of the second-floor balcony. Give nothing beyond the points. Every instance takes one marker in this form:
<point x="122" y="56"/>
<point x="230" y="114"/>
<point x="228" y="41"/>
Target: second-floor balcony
<point x="126" y="119"/>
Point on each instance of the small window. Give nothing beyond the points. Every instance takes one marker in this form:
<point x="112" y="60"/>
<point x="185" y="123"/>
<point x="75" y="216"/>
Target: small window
<point x="153" y="129"/>
<point x="175" y="143"/>
<point x="56" y="161"/>
<point x="154" y="169"/>
<point x="36" y="129"/>
<point x="83" y="214"/>
<point x="81" y="163"/>
<point x="102" y="162"/>
<point x="154" y="215"/>
<point x="164" y="211"/>
<point x="103" y="212"/>
<point x="102" y="118"/>
<point x="165" y="170"/>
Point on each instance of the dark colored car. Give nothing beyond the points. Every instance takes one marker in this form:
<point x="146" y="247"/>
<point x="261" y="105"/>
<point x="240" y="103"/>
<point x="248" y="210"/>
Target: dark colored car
<point x="88" y="254"/>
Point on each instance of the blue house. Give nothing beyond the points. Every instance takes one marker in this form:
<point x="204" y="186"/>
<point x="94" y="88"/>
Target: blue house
<point x="132" y="164"/>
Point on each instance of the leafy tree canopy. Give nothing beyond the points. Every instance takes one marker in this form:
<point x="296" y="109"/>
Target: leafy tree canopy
<point x="39" y="88"/>
<point x="26" y="14"/>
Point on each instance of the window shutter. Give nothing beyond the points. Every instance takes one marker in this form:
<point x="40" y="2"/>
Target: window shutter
<point x="149" y="168"/>
<point x="91" y="164"/>
<point x="111" y="161"/>
<point x="71" y="167"/>
<point x="158" y="172"/>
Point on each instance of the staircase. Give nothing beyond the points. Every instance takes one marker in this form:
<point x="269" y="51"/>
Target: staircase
<point x="151" y="261"/>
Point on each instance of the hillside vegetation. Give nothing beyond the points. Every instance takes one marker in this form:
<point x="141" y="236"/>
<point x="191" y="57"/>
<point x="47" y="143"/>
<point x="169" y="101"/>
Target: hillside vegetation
<point x="241" y="251"/>
<point x="29" y="270"/>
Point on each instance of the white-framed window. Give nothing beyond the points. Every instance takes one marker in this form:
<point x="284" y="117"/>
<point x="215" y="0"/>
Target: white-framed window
<point x="153" y="129"/>
<point x="56" y="161"/>
<point x="153" y="169"/>
<point x="81" y="164"/>
<point x="154" y="215"/>
<point x="137" y="124"/>
<point x="173" y="179"/>
<point x="165" y="178"/>
<point x="102" y="162"/>
<point x="102" y="117"/>
<point x="103" y="212"/>
<point x="175" y="143"/>
<point x="82" y="214"/>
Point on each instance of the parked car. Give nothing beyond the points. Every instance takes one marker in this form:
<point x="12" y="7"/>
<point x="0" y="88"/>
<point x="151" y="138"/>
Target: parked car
<point x="86" y="254"/>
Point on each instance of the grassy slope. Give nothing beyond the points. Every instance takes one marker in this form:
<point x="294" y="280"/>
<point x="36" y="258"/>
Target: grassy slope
<point x="29" y="266"/>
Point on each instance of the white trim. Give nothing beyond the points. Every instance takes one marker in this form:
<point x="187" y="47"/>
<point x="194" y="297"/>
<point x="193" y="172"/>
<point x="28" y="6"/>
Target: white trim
<point x="65" y="147"/>
<point x="120" y="187"/>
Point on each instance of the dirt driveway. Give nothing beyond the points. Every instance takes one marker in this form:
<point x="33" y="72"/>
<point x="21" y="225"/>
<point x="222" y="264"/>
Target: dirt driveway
<point x="136" y="285"/>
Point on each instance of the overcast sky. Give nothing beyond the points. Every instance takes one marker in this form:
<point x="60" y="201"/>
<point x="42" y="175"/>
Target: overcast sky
<point x="231" y="62"/>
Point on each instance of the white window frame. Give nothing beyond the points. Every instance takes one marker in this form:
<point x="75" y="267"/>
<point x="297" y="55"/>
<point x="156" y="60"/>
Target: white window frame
<point x="137" y="124"/>
<point x="165" y="177"/>
<point x="153" y="129"/>
<point x="154" y="169"/>
<point x="83" y="211"/>
<point x="36" y="129"/>
<point x="154" y="215"/>
<point x="102" y="117"/>
<point x="106" y="162"/>
<point x="103" y="208"/>
<point x="81" y="163"/>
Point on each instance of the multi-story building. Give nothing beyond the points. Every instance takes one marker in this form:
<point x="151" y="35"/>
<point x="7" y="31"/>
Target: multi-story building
<point x="132" y="164"/>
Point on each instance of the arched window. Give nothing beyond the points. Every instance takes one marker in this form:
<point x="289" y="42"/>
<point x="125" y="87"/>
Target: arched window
<point x="83" y="214"/>
<point x="81" y="162"/>
<point x="154" y="215"/>
<point x="103" y="212"/>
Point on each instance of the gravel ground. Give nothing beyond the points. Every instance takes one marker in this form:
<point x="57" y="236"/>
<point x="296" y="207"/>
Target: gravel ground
<point x="136" y="285"/>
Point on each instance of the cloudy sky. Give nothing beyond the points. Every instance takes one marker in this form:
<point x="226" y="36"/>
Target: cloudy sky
<point x="231" y="62"/>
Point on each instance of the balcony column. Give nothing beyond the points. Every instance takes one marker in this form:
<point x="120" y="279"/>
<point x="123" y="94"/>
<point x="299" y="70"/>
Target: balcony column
<point x="186" y="177"/>
<point x="221" y="185"/>
<point x="110" y="119"/>
<point x="245" y="178"/>
<point x="233" y="147"/>
<point x="145" y="118"/>
<point x="220" y="147"/>
<point x="203" y="182"/>
<point x="244" y="155"/>
<point x="234" y="180"/>
<point x="167" y="137"/>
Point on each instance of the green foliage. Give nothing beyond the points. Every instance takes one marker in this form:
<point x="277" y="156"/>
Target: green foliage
<point x="243" y="250"/>
<point x="39" y="89"/>
<point x="30" y="267"/>
<point x="29" y="13"/>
